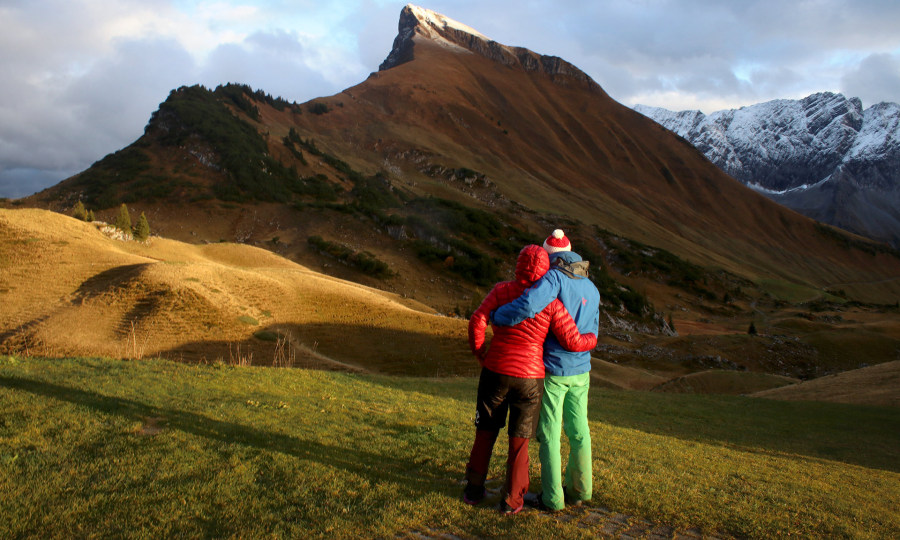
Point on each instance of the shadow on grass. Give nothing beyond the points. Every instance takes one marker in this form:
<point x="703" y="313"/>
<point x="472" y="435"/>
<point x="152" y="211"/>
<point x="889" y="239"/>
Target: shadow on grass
<point x="105" y="281"/>
<point x="414" y="478"/>
<point x="854" y="434"/>
<point x="351" y="348"/>
<point x="866" y="436"/>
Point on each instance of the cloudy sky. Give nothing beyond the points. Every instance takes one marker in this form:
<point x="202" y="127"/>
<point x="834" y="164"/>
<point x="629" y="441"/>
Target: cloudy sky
<point x="80" y="78"/>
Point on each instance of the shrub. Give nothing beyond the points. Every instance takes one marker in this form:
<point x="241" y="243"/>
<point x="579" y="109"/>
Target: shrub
<point x="123" y="220"/>
<point x="251" y="173"/>
<point x="619" y="295"/>
<point x="79" y="212"/>
<point x="290" y="141"/>
<point x="318" y="108"/>
<point x="100" y="182"/>
<point x="142" y="230"/>
<point x="237" y="94"/>
<point x="364" y="261"/>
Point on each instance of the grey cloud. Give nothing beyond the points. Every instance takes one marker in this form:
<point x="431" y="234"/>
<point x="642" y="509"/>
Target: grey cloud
<point x="690" y="46"/>
<point x="375" y="27"/>
<point x="63" y="123"/>
<point x="876" y="79"/>
<point x="117" y="95"/>
<point x="16" y="183"/>
<point x="273" y="62"/>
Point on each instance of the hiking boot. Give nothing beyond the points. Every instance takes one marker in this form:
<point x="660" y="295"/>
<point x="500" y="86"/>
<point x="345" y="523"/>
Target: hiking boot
<point x="473" y="494"/>
<point x="508" y="510"/>
<point x="536" y="500"/>
<point x="570" y="500"/>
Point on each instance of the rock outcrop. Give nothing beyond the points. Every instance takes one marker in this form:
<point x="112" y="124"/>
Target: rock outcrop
<point x="420" y="23"/>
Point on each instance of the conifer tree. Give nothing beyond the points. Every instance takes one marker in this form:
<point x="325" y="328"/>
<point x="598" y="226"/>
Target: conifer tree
<point x="752" y="329"/>
<point x="123" y="220"/>
<point x="142" y="229"/>
<point x="78" y="211"/>
<point x="90" y="216"/>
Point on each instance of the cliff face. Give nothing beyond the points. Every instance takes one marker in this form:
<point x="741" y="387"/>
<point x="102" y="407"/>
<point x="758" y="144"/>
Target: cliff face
<point x="823" y="156"/>
<point x="418" y="23"/>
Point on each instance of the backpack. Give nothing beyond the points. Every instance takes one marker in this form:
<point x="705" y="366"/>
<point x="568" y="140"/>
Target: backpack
<point x="574" y="270"/>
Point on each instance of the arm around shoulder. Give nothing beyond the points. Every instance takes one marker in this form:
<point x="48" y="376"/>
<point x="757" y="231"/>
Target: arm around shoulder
<point x="566" y="331"/>
<point x="530" y="303"/>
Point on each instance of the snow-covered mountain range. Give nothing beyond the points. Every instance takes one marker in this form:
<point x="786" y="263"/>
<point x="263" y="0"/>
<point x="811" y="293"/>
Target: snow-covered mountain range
<point x="823" y="156"/>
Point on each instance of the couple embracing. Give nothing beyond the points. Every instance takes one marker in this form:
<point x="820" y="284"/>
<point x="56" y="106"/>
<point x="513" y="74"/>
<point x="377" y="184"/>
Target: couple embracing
<point x="536" y="369"/>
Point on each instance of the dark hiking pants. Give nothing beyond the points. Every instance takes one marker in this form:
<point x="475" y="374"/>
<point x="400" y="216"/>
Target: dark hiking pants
<point x="520" y="398"/>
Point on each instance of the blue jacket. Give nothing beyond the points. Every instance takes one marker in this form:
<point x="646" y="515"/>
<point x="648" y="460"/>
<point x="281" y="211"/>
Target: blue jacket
<point x="580" y="297"/>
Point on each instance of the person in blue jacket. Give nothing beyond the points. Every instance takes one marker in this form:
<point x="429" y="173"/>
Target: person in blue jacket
<point x="564" y="405"/>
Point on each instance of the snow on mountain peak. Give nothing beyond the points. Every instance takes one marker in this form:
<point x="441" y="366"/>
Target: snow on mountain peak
<point x="785" y="144"/>
<point x="822" y="155"/>
<point x="434" y="19"/>
<point x="431" y="25"/>
<point x="418" y="24"/>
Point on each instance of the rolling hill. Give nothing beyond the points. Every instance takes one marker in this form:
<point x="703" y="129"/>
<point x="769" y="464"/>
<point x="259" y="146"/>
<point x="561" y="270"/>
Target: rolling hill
<point x="873" y="385"/>
<point x="69" y="289"/>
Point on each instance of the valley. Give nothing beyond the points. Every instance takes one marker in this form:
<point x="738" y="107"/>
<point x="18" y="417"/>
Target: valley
<point x="286" y="354"/>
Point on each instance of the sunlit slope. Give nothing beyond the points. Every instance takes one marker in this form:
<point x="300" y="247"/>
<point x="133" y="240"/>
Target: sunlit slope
<point x="68" y="289"/>
<point x="873" y="385"/>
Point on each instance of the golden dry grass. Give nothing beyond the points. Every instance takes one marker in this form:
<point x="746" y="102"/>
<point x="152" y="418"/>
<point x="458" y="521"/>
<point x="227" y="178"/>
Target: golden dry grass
<point x="873" y="385"/>
<point x="67" y="289"/>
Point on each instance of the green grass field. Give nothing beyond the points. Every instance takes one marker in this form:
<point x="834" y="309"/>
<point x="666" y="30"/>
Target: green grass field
<point x="99" y="447"/>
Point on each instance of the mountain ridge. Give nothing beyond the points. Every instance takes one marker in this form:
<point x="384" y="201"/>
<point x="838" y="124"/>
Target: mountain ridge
<point x="437" y="28"/>
<point x="824" y="156"/>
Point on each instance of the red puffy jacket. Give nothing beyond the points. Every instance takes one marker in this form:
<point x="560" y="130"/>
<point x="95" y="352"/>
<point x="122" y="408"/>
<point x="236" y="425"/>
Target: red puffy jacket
<point x="518" y="350"/>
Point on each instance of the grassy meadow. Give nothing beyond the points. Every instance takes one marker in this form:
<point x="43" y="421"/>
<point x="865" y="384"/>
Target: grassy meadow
<point x="153" y="448"/>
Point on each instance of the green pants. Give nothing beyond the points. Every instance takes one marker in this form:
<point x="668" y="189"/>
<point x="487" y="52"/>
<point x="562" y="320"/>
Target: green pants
<point x="564" y="406"/>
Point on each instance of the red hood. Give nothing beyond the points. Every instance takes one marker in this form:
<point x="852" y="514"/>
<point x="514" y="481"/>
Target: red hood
<point x="532" y="264"/>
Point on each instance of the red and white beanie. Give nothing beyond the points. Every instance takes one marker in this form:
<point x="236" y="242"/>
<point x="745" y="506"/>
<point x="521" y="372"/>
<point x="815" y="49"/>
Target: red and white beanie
<point x="557" y="242"/>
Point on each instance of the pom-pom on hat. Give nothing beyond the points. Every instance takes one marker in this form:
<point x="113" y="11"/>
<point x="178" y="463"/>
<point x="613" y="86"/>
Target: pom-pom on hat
<point x="557" y="242"/>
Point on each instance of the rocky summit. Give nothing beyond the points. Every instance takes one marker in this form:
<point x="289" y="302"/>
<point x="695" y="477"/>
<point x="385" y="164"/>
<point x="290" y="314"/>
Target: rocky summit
<point x="424" y="24"/>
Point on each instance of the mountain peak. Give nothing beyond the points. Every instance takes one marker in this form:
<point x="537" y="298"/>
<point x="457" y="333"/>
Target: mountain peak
<point x="432" y="26"/>
<point x="418" y="24"/>
<point x="432" y="23"/>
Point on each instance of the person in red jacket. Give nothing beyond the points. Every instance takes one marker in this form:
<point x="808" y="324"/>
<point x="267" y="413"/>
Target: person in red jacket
<point x="512" y="378"/>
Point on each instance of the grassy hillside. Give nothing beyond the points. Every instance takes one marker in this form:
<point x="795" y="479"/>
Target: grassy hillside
<point x="68" y="289"/>
<point x="93" y="447"/>
<point x="724" y="382"/>
<point x="873" y="385"/>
